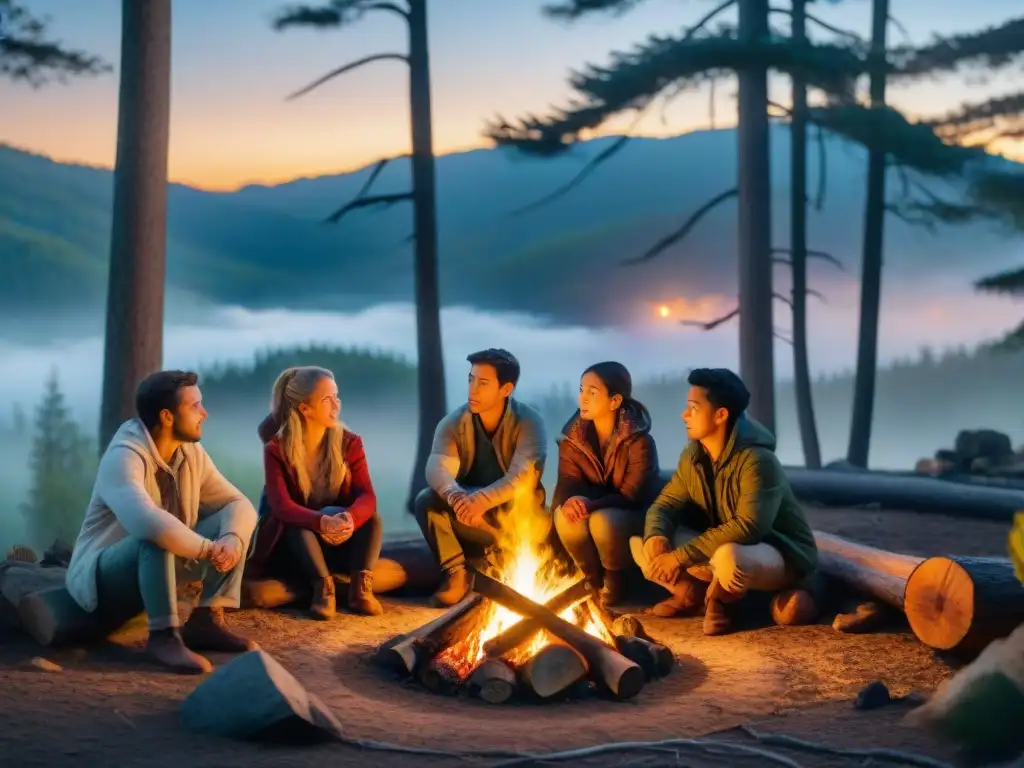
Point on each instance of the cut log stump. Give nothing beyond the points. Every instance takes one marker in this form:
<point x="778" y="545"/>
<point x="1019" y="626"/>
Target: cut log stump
<point x="961" y="604"/>
<point x="655" y="660"/>
<point x="553" y="670"/>
<point x="493" y="681"/>
<point x="877" y="572"/>
<point x="44" y="608"/>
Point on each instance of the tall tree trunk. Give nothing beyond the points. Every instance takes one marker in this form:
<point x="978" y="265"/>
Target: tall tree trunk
<point x="138" y="241"/>
<point x="871" y="266"/>
<point x="755" y="265"/>
<point x="798" y="255"/>
<point x="430" y="358"/>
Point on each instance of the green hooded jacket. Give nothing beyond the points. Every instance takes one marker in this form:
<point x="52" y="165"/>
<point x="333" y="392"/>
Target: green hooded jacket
<point x="743" y="499"/>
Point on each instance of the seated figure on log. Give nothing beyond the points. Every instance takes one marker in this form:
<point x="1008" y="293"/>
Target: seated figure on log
<point x="482" y="453"/>
<point x="319" y="512"/>
<point x="162" y="515"/>
<point x="607" y="477"/>
<point x="727" y="522"/>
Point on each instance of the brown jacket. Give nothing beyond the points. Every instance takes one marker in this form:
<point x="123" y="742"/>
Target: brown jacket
<point x="626" y="477"/>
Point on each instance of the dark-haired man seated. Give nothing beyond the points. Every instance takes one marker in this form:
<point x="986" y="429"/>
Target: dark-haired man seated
<point x="727" y="522"/>
<point x="483" y="452"/>
<point x="161" y="514"/>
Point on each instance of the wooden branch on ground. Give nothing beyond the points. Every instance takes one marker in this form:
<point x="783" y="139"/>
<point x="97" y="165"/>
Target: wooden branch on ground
<point x="438" y="676"/>
<point x="44" y="608"/>
<point x="961" y="604"/>
<point x="523" y="631"/>
<point x="553" y="670"/>
<point x="622" y="677"/>
<point x="403" y="653"/>
<point x="655" y="660"/>
<point x="494" y="681"/>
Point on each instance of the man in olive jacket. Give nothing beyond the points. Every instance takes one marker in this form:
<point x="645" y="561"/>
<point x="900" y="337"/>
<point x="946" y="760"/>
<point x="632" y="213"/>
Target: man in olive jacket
<point x="727" y="516"/>
<point x="485" y="454"/>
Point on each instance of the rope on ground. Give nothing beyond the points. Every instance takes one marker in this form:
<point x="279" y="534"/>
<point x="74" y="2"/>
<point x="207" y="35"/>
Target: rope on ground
<point x="878" y="753"/>
<point x="516" y="759"/>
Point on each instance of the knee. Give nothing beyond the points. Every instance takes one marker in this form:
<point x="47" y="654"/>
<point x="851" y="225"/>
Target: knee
<point x="247" y="516"/>
<point x="568" y="530"/>
<point x="426" y="500"/>
<point x="726" y="563"/>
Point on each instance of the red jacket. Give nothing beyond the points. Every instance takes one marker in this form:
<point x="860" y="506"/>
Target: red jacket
<point x="285" y="504"/>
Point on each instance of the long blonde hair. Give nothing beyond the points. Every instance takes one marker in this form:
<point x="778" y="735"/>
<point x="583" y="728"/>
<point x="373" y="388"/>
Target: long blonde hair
<point x="292" y="388"/>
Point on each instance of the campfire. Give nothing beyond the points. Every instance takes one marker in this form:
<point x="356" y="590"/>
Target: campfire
<point x="528" y="627"/>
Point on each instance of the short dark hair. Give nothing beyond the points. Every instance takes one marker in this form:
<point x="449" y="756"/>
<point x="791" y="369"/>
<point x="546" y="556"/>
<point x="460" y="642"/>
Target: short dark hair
<point x="504" y="362"/>
<point x="725" y="389"/>
<point x="159" y="391"/>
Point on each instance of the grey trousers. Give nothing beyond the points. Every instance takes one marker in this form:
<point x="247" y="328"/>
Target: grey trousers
<point x="135" y="575"/>
<point x="601" y="539"/>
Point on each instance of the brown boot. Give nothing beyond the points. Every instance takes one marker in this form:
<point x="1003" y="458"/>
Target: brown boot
<point x="206" y="630"/>
<point x="611" y="589"/>
<point x="166" y="648"/>
<point x="718" y="610"/>
<point x="456" y="585"/>
<point x="687" y="599"/>
<point x="360" y="595"/>
<point x="324" y="604"/>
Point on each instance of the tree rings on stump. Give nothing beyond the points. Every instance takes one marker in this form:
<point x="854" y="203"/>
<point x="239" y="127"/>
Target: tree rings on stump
<point x="963" y="603"/>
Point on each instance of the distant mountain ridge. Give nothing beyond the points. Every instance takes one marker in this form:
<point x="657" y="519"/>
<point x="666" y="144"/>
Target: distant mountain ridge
<point x="264" y="246"/>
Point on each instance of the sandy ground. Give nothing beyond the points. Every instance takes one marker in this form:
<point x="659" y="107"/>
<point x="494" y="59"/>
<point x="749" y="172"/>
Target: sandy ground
<point x="106" y="707"/>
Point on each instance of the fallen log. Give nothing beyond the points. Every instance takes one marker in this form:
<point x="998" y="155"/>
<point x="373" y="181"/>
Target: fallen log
<point x="655" y="660"/>
<point x="45" y="609"/>
<point x="407" y="566"/>
<point x="552" y="670"/>
<point x="962" y="604"/>
<point x="622" y="677"/>
<point x="439" y="676"/>
<point x="833" y="488"/>
<point x="493" y="681"/>
<point x="877" y="572"/>
<point x="403" y="653"/>
<point x="525" y="629"/>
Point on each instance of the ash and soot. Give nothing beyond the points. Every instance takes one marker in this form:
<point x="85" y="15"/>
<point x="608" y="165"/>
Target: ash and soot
<point x="532" y="628"/>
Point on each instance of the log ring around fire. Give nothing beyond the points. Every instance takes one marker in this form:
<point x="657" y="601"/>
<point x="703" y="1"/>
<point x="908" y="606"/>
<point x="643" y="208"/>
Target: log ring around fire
<point x="531" y="651"/>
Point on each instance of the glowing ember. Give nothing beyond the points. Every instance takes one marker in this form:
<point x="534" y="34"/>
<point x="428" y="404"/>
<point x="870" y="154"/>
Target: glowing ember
<point x="526" y="565"/>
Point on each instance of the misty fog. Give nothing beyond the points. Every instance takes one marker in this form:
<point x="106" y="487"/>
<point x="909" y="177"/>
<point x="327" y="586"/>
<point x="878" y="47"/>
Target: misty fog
<point x="552" y="359"/>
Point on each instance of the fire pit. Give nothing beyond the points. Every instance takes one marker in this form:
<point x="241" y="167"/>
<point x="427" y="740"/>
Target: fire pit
<point x="526" y="631"/>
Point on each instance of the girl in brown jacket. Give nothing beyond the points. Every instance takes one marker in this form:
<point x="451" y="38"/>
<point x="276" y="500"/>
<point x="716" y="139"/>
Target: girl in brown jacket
<point x="607" y="477"/>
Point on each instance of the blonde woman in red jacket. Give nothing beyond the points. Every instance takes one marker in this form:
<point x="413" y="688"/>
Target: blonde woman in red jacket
<point x="320" y="512"/>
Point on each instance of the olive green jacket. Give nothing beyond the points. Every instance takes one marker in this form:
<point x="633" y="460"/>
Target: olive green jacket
<point x="743" y="499"/>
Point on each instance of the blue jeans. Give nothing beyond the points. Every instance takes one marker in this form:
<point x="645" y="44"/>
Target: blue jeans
<point x="135" y="575"/>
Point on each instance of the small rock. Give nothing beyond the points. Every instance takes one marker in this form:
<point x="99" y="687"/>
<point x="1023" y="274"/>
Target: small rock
<point x="253" y="696"/>
<point x="45" y="664"/>
<point x="873" y="696"/>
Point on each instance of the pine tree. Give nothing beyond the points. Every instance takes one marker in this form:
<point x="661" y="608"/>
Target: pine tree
<point x="27" y="55"/>
<point x="62" y="466"/>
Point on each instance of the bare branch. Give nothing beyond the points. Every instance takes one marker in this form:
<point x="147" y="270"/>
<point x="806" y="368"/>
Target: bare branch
<point x="901" y="29"/>
<point x="852" y="36"/>
<point x="377" y="168"/>
<point x="784" y="299"/>
<point x="591" y="166"/>
<point x="348" y="68"/>
<point x="811" y="255"/>
<point x="817" y="294"/>
<point x="366" y="202"/>
<point x="711" y="325"/>
<point x="389" y="7"/>
<point x="673" y="238"/>
<point x="781" y="337"/>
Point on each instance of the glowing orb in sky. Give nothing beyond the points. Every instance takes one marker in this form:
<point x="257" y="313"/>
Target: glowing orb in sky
<point x="663" y="311"/>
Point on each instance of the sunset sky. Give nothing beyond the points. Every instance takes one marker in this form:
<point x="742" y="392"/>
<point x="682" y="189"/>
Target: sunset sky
<point x="230" y="124"/>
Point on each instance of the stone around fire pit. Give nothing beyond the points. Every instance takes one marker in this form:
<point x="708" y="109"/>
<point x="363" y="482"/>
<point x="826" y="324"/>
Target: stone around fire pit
<point x="568" y="647"/>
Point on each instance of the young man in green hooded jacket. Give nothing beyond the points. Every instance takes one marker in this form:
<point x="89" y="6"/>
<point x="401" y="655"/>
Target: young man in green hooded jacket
<point x="727" y="522"/>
